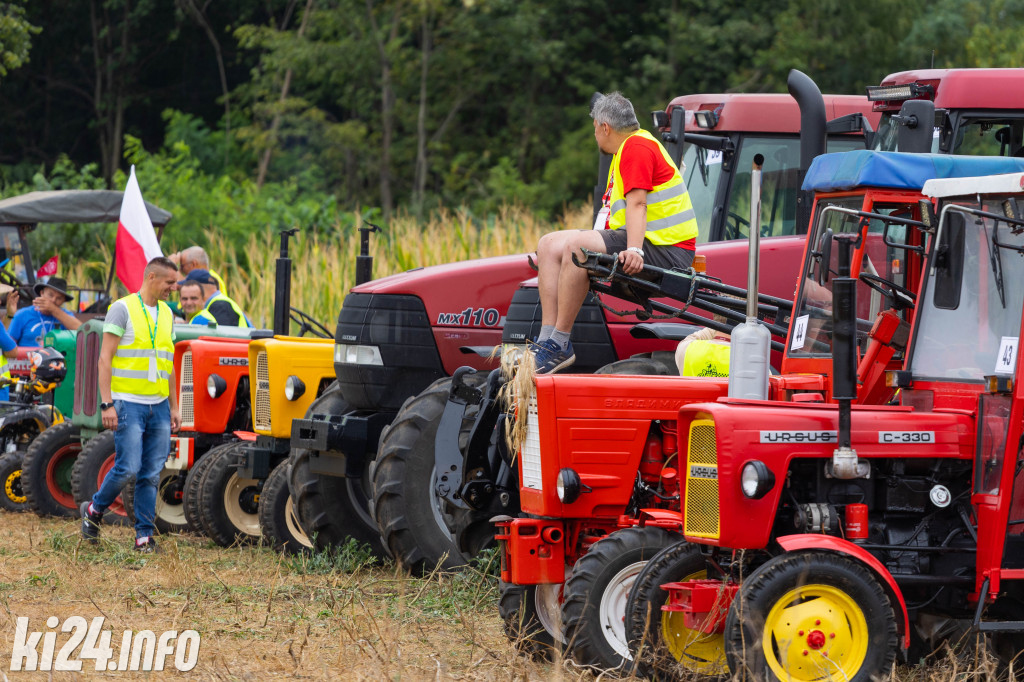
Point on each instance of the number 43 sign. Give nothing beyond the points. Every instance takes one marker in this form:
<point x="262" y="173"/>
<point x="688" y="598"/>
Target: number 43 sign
<point x="1007" y="358"/>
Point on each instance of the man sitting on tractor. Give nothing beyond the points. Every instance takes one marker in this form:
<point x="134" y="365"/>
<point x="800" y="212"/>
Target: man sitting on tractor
<point x="647" y="218"/>
<point x="218" y="307"/>
<point x="31" y="324"/>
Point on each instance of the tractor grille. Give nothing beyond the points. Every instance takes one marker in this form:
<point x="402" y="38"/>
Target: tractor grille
<point x="261" y="410"/>
<point x="702" y="481"/>
<point x="186" y="400"/>
<point x="532" y="477"/>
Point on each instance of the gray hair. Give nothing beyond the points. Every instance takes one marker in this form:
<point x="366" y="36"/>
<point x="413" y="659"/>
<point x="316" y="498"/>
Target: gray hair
<point x="616" y="111"/>
<point x="197" y="255"/>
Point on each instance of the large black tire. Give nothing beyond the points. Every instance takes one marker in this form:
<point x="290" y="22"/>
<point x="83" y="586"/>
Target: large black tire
<point x="807" y="612"/>
<point x="46" y="471"/>
<point x="191" y="496"/>
<point x="91" y="465"/>
<point x="12" y="496"/>
<point x="532" y="618"/>
<point x="228" y="503"/>
<point x="413" y="524"/>
<point x="594" y="605"/>
<point x="660" y="363"/>
<point x="659" y="641"/>
<point x="170" y="507"/>
<point x="278" y="520"/>
<point x="331" y="509"/>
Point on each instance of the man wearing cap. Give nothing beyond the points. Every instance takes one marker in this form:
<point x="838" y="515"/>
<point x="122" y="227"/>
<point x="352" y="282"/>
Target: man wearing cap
<point x="192" y="300"/>
<point x="31" y="324"/>
<point x="218" y="308"/>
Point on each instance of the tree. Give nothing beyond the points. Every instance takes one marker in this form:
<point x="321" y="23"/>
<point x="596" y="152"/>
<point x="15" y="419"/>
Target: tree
<point x="15" y="36"/>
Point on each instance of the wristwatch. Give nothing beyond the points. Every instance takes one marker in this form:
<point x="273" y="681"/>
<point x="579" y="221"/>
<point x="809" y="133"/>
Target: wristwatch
<point x="104" y="406"/>
<point x="637" y="250"/>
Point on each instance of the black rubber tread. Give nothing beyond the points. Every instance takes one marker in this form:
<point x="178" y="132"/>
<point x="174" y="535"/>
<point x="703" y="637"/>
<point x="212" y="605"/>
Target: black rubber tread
<point x="162" y="524"/>
<point x="644" y="616"/>
<point x="274" y="525"/>
<point x="402" y="478"/>
<point x="581" y="623"/>
<point x="762" y="588"/>
<point x="518" y="610"/>
<point x="331" y="509"/>
<point x="643" y="364"/>
<point x="11" y="471"/>
<point x="191" y="495"/>
<point x="40" y="452"/>
<point x="84" y="476"/>
<point x="212" y="515"/>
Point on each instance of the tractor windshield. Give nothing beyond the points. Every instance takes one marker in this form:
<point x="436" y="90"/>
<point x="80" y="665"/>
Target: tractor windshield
<point x="969" y="318"/>
<point x="883" y="263"/>
<point x="989" y="135"/>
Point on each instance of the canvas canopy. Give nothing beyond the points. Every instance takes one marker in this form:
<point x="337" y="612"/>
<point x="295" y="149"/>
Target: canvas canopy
<point x="70" y="206"/>
<point x="866" y="168"/>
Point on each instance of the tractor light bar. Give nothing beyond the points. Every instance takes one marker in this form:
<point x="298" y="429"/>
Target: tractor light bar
<point x="888" y="93"/>
<point x="357" y="355"/>
<point x="294" y="388"/>
<point x="756" y="479"/>
<point x="995" y="383"/>
<point x="215" y="386"/>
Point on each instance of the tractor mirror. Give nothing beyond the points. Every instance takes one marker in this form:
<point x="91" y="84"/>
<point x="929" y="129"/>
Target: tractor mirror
<point x="949" y="262"/>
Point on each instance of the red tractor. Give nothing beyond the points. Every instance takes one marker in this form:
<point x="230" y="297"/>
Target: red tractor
<point x="434" y="505"/>
<point x="634" y="485"/>
<point x="831" y="538"/>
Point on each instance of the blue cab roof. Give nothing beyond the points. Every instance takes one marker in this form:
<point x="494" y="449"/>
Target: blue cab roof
<point x="894" y="170"/>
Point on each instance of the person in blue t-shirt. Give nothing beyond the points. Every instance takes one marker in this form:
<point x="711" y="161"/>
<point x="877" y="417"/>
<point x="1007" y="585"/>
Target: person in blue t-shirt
<point x="31" y="324"/>
<point x="7" y="345"/>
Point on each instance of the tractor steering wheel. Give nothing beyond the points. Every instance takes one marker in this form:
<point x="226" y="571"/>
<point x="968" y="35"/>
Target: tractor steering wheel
<point x="902" y="298"/>
<point x="308" y="324"/>
<point x="733" y="228"/>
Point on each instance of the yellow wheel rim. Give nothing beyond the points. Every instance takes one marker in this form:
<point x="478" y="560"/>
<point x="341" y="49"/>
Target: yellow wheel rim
<point x="697" y="651"/>
<point x="815" y="632"/>
<point x="12" y="488"/>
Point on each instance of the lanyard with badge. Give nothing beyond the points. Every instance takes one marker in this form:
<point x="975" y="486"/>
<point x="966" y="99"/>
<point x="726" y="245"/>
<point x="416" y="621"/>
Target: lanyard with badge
<point x="152" y="336"/>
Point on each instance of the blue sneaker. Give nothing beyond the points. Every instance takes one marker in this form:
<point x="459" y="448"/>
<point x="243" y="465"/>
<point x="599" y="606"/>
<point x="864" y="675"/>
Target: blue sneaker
<point x="550" y="357"/>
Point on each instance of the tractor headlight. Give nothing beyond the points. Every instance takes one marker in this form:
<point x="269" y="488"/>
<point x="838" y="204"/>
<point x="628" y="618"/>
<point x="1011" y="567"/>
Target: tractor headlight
<point x="294" y="388"/>
<point x="216" y="385"/>
<point x="568" y="486"/>
<point x="756" y="479"/>
<point x="357" y="355"/>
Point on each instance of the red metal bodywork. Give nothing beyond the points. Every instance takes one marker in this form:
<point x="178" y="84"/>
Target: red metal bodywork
<point x="228" y="358"/>
<point x="762" y="113"/>
<point x="962" y="88"/>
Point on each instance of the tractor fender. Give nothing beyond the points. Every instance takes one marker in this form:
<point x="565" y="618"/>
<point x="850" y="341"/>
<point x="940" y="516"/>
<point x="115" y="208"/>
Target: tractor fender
<point x="659" y="518"/>
<point x="792" y="543"/>
<point x="40" y="417"/>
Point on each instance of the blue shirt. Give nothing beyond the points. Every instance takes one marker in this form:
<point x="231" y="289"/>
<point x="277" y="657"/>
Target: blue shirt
<point x="6" y="344"/>
<point x="29" y="326"/>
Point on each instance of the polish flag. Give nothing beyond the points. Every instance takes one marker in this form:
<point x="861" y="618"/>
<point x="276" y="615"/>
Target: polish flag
<point x="136" y="239"/>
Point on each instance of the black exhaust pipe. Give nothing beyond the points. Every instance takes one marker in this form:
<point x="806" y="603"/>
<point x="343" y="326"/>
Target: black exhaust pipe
<point x="812" y="135"/>
<point x="283" y="287"/>
<point x="364" y="261"/>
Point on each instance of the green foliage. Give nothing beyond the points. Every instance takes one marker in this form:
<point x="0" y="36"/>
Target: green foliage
<point x="15" y="36"/>
<point x="349" y="558"/>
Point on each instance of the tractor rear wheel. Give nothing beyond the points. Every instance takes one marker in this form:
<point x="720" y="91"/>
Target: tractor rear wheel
<point x="190" y="493"/>
<point x="12" y="497"/>
<point x="531" y="615"/>
<point x="331" y="509"/>
<point x="228" y="503"/>
<point x="46" y="470"/>
<point x="594" y="605"/>
<point x="278" y="520"/>
<point x="811" y="616"/>
<point x="170" y="508"/>
<point x="659" y="640"/>
<point x="658" y="363"/>
<point x="414" y="522"/>
<point x="91" y="465"/>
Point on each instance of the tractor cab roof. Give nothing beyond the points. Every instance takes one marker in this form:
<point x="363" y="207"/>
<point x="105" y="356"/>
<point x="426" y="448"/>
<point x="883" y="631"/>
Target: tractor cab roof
<point x="1007" y="183"/>
<point x="952" y="89"/>
<point x="895" y="170"/>
<point x="70" y="206"/>
<point x="760" y="113"/>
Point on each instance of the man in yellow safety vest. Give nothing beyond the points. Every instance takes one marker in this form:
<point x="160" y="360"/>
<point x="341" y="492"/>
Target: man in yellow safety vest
<point x="647" y="218"/>
<point x="136" y="370"/>
<point x="218" y="307"/>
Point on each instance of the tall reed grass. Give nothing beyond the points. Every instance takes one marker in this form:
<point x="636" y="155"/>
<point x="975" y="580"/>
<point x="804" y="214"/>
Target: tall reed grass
<point x="324" y="262"/>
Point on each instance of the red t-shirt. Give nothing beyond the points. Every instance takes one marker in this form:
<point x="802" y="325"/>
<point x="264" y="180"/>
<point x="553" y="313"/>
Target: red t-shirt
<point x="643" y="166"/>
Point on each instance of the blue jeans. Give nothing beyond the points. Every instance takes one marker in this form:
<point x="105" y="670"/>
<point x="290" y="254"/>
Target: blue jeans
<point x="141" y="445"/>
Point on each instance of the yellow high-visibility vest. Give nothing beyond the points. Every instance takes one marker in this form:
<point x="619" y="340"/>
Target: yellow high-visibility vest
<point x="670" y="215"/>
<point x="242" y="322"/>
<point x="706" y="359"/>
<point x="153" y="339"/>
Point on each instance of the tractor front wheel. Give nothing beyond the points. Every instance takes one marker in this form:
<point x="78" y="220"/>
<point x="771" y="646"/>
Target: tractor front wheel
<point x="92" y="464"/>
<point x="531" y="614"/>
<point x="46" y="470"/>
<point x="12" y="497"/>
<point x="659" y="640"/>
<point x="809" y="616"/>
<point x="170" y="510"/>
<point x="190" y="494"/>
<point x="228" y="503"/>
<point x="596" y="592"/>
<point x="278" y="520"/>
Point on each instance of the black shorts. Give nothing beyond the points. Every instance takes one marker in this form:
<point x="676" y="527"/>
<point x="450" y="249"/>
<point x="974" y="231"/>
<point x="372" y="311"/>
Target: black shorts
<point x="667" y="257"/>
